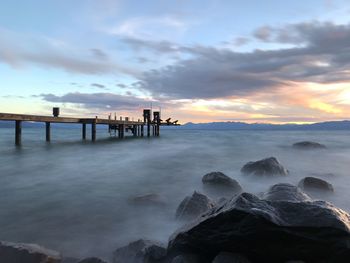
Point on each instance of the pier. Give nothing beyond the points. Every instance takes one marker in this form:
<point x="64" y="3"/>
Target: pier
<point x="147" y="126"/>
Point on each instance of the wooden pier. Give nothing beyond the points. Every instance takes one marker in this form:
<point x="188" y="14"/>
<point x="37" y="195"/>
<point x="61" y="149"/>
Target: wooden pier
<point x="117" y="126"/>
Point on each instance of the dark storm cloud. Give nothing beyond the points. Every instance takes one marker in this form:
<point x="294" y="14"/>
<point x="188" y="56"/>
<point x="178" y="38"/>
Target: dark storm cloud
<point x="99" y="100"/>
<point x="320" y="54"/>
<point x="97" y="85"/>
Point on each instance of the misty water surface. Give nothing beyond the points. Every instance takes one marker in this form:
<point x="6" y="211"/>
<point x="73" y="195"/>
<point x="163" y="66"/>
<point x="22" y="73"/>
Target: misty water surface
<point x="73" y="196"/>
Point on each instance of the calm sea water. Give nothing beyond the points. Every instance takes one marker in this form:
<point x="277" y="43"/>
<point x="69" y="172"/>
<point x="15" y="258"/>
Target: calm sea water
<point x="72" y="196"/>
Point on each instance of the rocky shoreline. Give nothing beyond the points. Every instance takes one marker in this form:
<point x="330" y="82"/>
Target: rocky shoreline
<point x="283" y="224"/>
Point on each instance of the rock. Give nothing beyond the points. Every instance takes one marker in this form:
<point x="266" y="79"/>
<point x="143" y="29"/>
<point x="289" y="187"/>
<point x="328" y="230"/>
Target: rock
<point x="147" y="199"/>
<point x="268" y="166"/>
<point x="307" y="145"/>
<point x="140" y="251"/>
<point x="187" y="258"/>
<point x="193" y="206"/>
<point x="92" y="260"/>
<point x="285" y="192"/>
<point x="27" y="253"/>
<point x="227" y="257"/>
<point x="268" y="231"/>
<point x="313" y="183"/>
<point x="221" y="180"/>
<point x="70" y="260"/>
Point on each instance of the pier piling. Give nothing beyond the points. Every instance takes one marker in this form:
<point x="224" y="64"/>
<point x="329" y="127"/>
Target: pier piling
<point x="93" y="130"/>
<point x="84" y="131"/>
<point x="18" y="132"/>
<point x="48" y="131"/>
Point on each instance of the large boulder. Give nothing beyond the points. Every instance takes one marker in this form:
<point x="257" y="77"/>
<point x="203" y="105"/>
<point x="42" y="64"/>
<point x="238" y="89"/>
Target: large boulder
<point x="27" y="253"/>
<point x="193" y="206"/>
<point x="313" y="183"/>
<point x="307" y="145"/>
<point x="221" y="181"/>
<point x="285" y="192"/>
<point x="140" y="251"/>
<point x="227" y="257"/>
<point x="268" y="166"/>
<point x="268" y="231"/>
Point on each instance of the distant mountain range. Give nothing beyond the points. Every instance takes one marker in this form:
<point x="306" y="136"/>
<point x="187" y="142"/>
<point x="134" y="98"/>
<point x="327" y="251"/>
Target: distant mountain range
<point x="330" y="125"/>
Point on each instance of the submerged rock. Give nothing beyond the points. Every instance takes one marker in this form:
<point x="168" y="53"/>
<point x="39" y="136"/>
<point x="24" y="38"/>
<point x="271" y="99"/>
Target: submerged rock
<point x="27" y="253"/>
<point x="313" y="183"/>
<point x="140" y="251"/>
<point x="92" y="260"/>
<point x="220" y="180"/>
<point x="193" y="206"/>
<point x="285" y="192"/>
<point x="268" y="231"/>
<point x="268" y="166"/>
<point x="227" y="257"/>
<point x="307" y="145"/>
<point x="147" y="199"/>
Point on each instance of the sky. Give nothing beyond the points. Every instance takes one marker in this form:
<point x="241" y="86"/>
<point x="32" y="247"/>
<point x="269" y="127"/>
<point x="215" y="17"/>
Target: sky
<point x="266" y="61"/>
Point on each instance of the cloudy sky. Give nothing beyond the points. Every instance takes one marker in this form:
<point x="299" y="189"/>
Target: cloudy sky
<point x="199" y="60"/>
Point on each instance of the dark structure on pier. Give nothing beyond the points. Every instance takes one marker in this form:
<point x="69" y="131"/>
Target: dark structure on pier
<point x="117" y="126"/>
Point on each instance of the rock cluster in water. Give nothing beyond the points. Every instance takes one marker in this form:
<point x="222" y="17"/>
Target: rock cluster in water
<point x="284" y="224"/>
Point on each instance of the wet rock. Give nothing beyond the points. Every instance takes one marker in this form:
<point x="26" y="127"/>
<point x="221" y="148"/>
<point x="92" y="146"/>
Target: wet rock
<point x="187" y="258"/>
<point x="267" y="231"/>
<point x="307" y="145"/>
<point x="268" y="166"/>
<point x="313" y="183"/>
<point x="140" y="251"/>
<point x="227" y="257"/>
<point x="193" y="206"/>
<point x="285" y="192"/>
<point x="28" y="253"/>
<point x="220" y="180"/>
<point x="70" y="260"/>
<point x="92" y="260"/>
<point x="148" y="199"/>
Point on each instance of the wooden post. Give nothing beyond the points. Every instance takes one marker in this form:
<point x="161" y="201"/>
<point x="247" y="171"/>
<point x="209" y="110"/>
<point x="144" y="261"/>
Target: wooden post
<point x="93" y="130"/>
<point x="18" y="137"/>
<point x="122" y="130"/>
<point x="134" y="130"/>
<point x="48" y="131"/>
<point x="142" y="127"/>
<point x="84" y="131"/>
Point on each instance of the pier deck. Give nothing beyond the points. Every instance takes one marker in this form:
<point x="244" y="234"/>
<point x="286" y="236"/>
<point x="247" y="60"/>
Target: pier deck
<point x="136" y="127"/>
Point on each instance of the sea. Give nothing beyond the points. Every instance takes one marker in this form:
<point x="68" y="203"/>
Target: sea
<point x="76" y="196"/>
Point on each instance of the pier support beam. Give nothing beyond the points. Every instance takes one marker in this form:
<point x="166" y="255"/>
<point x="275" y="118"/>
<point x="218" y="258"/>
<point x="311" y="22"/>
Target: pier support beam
<point x="83" y="131"/>
<point x="18" y="135"/>
<point x="93" y="131"/>
<point x="48" y="131"/>
<point x="134" y="130"/>
<point x="142" y="127"/>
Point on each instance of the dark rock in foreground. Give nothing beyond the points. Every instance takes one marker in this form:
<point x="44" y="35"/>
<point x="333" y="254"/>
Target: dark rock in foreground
<point x="92" y="260"/>
<point x="187" y="258"/>
<point x="268" y="231"/>
<point x="268" y="166"/>
<point x="307" y="145"/>
<point x="313" y="183"/>
<point x="193" y="206"/>
<point x="227" y="257"/>
<point x="141" y="251"/>
<point x="218" y="179"/>
<point x="27" y="253"/>
<point x="285" y="192"/>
